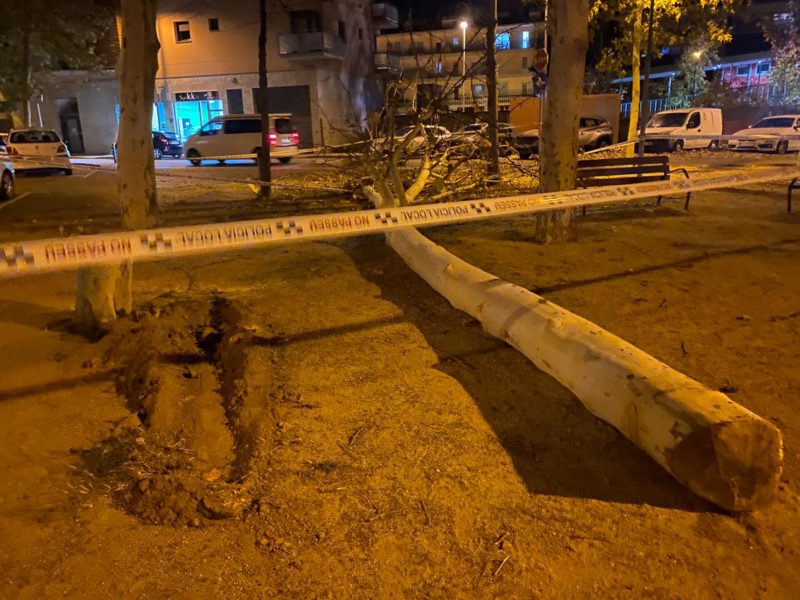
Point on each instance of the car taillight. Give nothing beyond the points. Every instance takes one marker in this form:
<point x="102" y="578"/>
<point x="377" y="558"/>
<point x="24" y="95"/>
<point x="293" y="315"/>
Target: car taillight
<point x="295" y="137"/>
<point x="273" y="139"/>
<point x="62" y="149"/>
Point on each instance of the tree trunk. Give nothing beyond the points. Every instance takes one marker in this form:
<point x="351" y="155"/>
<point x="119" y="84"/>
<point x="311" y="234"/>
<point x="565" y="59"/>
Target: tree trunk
<point x="105" y="291"/>
<point x="716" y="448"/>
<point x="636" y="86"/>
<point x="491" y="88"/>
<point x="264" y="164"/>
<point x="569" y="23"/>
<point x="26" y="67"/>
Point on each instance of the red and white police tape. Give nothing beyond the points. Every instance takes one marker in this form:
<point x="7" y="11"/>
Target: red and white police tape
<point x="39" y="256"/>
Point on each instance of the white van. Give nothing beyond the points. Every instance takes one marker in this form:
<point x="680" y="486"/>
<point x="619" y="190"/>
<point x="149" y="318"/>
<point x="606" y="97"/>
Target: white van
<point x="233" y="135"/>
<point x="700" y="126"/>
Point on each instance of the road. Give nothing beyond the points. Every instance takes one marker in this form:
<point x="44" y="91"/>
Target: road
<point x="52" y="205"/>
<point x="49" y="204"/>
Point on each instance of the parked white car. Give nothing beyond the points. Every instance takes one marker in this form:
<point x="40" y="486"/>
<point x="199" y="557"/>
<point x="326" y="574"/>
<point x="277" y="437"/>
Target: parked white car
<point x="473" y="139"/>
<point x="232" y="135"/>
<point x="6" y="179"/>
<point x="38" y="149"/>
<point x="686" y="128"/>
<point x="435" y="135"/>
<point x="772" y="134"/>
<point x="593" y="132"/>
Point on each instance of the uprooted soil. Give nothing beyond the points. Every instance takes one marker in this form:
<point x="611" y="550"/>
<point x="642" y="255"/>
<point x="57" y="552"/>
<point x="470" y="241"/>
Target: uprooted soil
<point x="314" y="421"/>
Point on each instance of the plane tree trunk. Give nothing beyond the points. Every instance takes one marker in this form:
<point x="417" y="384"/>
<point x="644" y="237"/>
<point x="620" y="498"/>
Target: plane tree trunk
<point x="105" y="291"/>
<point x="263" y="158"/>
<point x="569" y="23"/>
<point x="636" y="84"/>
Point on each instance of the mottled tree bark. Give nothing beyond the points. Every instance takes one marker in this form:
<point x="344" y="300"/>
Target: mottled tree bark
<point x="636" y="84"/>
<point x="491" y="87"/>
<point x="105" y="291"/>
<point x="569" y="26"/>
<point x="263" y="158"/>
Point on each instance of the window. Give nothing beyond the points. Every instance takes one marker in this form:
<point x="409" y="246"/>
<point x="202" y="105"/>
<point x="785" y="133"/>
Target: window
<point x="305" y="21"/>
<point x="211" y="128"/>
<point x="282" y="125"/>
<point x="213" y="24"/>
<point x="342" y="31"/>
<point x="763" y="68"/>
<point x="477" y="89"/>
<point x="502" y="41"/>
<point x="439" y="67"/>
<point x="438" y="46"/>
<point x="34" y="136"/>
<point x="743" y="71"/>
<point x="234" y="126"/>
<point x="525" y="41"/>
<point x="182" y="33"/>
<point x="694" y="121"/>
<point x="456" y="41"/>
<point x="524" y="62"/>
<point x="776" y="122"/>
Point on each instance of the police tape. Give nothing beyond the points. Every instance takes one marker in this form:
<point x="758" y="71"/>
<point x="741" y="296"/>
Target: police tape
<point x="18" y="258"/>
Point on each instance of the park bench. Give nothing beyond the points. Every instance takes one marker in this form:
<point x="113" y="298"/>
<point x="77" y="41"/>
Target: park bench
<point x="597" y="172"/>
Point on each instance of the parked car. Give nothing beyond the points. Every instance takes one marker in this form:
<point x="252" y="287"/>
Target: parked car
<point x="38" y="149"/>
<point x="666" y="130"/>
<point x="593" y="132"/>
<point x="779" y="134"/>
<point x="6" y="179"/>
<point x="428" y="135"/>
<point x="231" y="135"/>
<point x="165" y="143"/>
<point x="474" y="138"/>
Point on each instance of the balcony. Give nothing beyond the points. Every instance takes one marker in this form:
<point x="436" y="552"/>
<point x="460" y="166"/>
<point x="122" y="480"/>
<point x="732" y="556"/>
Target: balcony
<point x="314" y="46"/>
<point x="385" y="16"/>
<point x="387" y="63"/>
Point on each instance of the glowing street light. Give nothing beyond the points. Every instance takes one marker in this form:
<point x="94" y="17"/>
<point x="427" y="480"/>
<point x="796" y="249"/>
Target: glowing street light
<point x="697" y="54"/>
<point x="463" y="25"/>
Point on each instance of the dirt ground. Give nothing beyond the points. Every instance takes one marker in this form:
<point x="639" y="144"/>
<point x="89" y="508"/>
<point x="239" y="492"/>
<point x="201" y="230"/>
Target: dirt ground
<point x="314" y="421"/>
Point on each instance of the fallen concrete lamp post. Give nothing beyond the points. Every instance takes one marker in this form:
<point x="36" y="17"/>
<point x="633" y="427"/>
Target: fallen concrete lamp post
<point x="715" y="447"/>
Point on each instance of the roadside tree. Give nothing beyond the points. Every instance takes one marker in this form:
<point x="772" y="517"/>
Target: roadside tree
<point x="569" y="29"/>
<point x="105" y="291"/>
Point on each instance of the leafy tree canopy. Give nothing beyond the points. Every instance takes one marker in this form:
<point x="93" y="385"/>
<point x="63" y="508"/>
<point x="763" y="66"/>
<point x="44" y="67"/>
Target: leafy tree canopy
<point x="40" y="36"/>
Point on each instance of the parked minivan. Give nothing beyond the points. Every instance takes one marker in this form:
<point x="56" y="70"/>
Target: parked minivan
<point x="231" y="135"/>
<point x="700" y="126"/>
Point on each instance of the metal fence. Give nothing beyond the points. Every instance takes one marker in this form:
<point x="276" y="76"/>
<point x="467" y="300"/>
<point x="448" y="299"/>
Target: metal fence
<point x="654" y="105"/>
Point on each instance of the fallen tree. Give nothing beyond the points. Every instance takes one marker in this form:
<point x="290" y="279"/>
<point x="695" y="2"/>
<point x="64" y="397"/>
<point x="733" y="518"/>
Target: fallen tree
<point x="715" y="447"/>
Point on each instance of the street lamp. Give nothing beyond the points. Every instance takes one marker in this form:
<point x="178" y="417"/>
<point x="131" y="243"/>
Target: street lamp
<point x="696" y="55"/>
<point x="463" y="25"/>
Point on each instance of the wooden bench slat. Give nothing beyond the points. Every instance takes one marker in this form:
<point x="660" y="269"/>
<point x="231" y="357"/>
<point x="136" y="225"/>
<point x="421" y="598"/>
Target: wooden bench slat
<point x="613" y="162"/>
<point x="608" y="171"/>
<point x="618" y="181"/>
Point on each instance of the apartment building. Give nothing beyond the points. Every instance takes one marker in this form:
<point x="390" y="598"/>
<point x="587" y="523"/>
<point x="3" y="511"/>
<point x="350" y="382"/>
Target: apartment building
<point x="319" y="58"/>
<point x="451" y="61"/>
